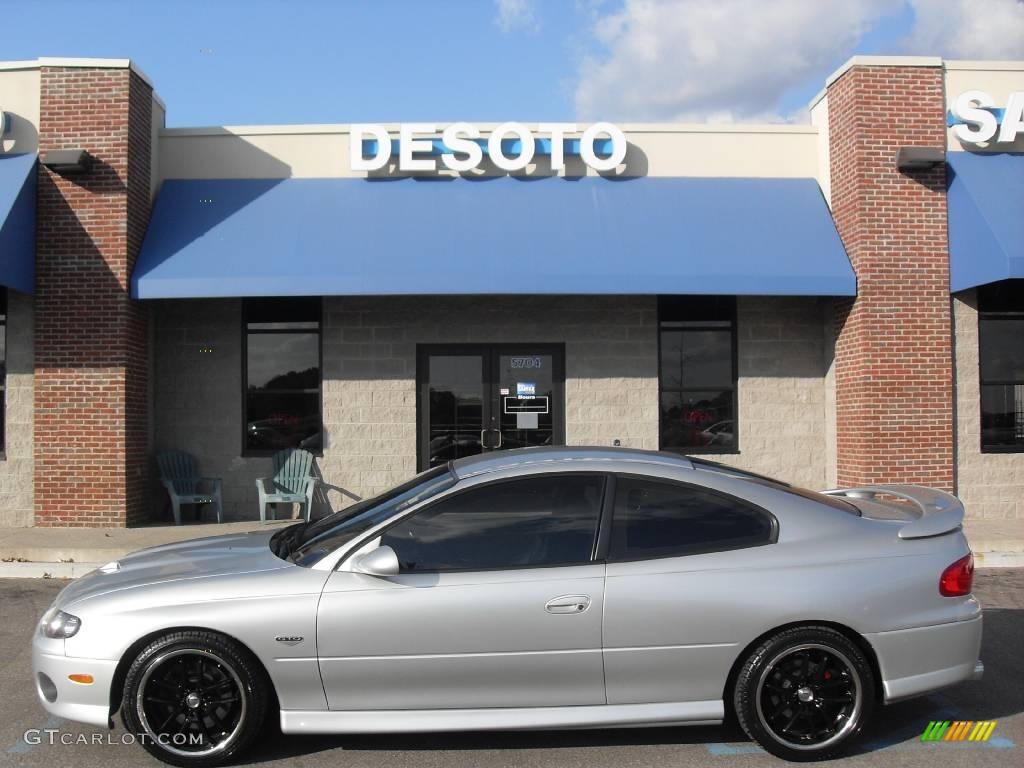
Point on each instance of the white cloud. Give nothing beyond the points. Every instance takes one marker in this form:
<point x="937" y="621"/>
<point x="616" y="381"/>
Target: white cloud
<point x="516" y="14"/>
<point x="968" y="29"/>
<point x="733" y="60"/>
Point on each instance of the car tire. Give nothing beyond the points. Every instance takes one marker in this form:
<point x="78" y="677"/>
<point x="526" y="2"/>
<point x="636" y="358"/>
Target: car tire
<point x="805" y="693"/>
<point x="194" y="699"/>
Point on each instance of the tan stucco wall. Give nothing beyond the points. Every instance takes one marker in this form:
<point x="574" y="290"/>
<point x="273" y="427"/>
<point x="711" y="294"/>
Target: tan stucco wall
<point x="655" y="150"/>
<point x="19" y="98"/>
<point x="16" y="481"/>
<point x="990" y="484"/>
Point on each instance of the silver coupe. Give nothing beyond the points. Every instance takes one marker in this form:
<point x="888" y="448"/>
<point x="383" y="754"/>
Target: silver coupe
<point x="537" y="588"/>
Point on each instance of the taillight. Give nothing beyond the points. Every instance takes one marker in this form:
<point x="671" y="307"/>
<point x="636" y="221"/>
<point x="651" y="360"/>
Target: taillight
<point x="956" y="579"/>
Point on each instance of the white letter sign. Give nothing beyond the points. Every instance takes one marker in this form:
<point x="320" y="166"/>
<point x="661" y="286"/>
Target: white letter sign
<point x="461" y="147"/>
<point x="975" y="113"/>
<point x="454" y="141"/>
<point x="355" y="148"/>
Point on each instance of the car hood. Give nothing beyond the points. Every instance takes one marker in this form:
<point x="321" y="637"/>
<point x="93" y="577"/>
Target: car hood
<point x="197" y="558"/>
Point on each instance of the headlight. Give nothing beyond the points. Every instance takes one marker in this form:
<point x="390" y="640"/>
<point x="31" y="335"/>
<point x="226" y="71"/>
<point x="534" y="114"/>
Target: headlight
<point x="59" y="625"/>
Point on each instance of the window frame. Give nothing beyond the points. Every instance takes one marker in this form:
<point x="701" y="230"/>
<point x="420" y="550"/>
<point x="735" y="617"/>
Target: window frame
<point x="247" y="452"/>
<point x="606" y="552"/>
<point x="734" y="359"/>
<point x="603" y="512"/>
<point x="997" y="316"/>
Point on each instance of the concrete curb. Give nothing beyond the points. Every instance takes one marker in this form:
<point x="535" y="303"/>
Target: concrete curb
<point x="1002" y="559"/>
<point x="46" y="570"/>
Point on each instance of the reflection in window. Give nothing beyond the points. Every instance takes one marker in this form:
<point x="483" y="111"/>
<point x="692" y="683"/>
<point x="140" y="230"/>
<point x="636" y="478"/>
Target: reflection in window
<point x="1001" y="352"/>
<point x="537" y="521"/>
<point x="653" y="519"/>
<point x="282" y="375"/>
<point x="697" y="373"/>
<point x="456" y="407"/>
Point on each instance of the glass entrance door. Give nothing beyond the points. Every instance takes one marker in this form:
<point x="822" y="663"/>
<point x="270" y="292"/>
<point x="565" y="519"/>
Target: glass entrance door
<point x="473" y="398"/>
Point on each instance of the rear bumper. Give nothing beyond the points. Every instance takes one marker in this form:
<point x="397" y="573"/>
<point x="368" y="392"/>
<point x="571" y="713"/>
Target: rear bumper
<point x="923" y="659"/>
<point x="66" y="699"/>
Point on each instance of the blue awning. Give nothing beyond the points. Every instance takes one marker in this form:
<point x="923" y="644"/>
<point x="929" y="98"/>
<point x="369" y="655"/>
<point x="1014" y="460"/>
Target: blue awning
<point x="502" y="235"/>
<point x="986" y="218"/>
<point x="18" y="222"/>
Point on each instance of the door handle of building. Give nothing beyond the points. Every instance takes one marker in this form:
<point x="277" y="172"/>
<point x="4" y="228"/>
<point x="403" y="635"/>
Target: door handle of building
<point x="484" y="441"/>
<point x="567" y="604"/>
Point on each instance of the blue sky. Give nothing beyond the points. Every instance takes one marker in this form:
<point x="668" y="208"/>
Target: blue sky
<point x="265" y="61"/>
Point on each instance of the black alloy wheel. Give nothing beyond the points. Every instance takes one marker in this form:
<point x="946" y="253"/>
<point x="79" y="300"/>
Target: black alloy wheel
<point x="194" y="699"/>
<point x="804" y="693"/>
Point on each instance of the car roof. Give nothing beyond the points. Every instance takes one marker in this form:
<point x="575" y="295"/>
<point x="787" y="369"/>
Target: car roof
<point x="579" y="456"/>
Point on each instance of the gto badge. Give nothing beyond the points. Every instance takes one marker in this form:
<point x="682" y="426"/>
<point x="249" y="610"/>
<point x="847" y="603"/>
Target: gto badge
<point x="289" y="639"/>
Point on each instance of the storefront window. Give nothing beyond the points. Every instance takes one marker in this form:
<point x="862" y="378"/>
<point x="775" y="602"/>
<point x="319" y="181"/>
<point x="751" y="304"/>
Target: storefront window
<point x="3" y="371"/>
<point x="1001" y="353"/>
<point x="281" y="375"/>
<point x="697" y="376"/>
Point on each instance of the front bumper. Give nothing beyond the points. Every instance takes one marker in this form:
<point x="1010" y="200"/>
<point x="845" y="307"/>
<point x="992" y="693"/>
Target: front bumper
<point x="62" y="697"/>
<point x="924" y="659"/>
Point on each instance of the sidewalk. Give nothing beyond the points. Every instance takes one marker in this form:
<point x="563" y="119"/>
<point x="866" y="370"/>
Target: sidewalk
<point x="66" y="553"/>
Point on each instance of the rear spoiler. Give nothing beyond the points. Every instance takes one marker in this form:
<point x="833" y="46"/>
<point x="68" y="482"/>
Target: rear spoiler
<point x="940" y="512"/>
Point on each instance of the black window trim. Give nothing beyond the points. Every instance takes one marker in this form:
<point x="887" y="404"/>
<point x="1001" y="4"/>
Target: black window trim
<point x="246" y="452"/>
<point x="996" y="316"/>
<point x="773" y="520"/>
<point x="603" y="511"/>
<point x="735" y="386"/>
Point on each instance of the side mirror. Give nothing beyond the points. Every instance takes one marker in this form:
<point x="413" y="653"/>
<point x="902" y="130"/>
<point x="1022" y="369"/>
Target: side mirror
<point x="381" y="561"/>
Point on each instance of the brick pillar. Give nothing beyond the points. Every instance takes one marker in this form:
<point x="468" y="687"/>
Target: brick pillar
<point x="894" y="361"/>
<point x="90" y="338"/>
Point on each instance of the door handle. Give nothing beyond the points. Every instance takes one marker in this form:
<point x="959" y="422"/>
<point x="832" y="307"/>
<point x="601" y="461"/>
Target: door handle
<point x="567" y="604"/>
<point x="483" y="438"/>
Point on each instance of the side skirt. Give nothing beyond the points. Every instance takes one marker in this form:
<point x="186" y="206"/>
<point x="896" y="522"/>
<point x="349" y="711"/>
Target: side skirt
<point x="521" y="718"/>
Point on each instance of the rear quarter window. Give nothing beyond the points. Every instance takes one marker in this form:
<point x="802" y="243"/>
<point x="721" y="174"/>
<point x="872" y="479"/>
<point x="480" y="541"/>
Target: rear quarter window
<point x="654" y="518"/>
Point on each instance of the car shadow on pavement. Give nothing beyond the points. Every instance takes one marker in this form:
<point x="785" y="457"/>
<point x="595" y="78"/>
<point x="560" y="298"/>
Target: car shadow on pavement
<point x="275" y="746"/>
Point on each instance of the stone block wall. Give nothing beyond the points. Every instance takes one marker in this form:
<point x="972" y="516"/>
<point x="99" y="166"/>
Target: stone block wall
<point x="991" y="485"/>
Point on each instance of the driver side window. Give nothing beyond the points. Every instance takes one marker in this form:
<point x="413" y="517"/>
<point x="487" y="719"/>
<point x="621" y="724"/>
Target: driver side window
<point x="535" y="521"/>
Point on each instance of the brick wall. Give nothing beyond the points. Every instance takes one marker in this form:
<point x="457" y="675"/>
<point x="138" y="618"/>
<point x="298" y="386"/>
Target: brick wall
<point x="991" y="485"/>
<point x="893" y="365"/>
<point x="90" y="371"/>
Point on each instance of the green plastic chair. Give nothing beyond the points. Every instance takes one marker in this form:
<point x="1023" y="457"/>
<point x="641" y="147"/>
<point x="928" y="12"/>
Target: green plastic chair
<point x="292" y="482"/>
<point x="179" y="474"/>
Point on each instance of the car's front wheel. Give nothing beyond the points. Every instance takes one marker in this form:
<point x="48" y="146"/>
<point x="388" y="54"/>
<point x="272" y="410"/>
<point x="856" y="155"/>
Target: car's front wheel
<point x="805" y="693"/>
<point x="194" y="699"/>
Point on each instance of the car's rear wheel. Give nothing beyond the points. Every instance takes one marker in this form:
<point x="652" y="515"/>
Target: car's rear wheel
<point x="805" y="693"/>
<point x="194" y="699"/>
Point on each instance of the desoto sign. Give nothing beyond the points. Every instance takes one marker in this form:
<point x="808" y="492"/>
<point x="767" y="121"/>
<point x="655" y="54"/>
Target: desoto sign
<point x="976" y="119"/>
<point x="510" y="146"/>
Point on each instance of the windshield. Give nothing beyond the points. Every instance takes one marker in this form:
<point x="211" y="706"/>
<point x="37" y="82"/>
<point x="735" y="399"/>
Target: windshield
<point x="317" y="539"/>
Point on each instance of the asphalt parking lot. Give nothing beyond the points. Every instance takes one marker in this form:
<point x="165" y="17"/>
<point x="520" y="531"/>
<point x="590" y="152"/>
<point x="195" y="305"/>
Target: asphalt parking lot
<point x="893" y="739"/>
